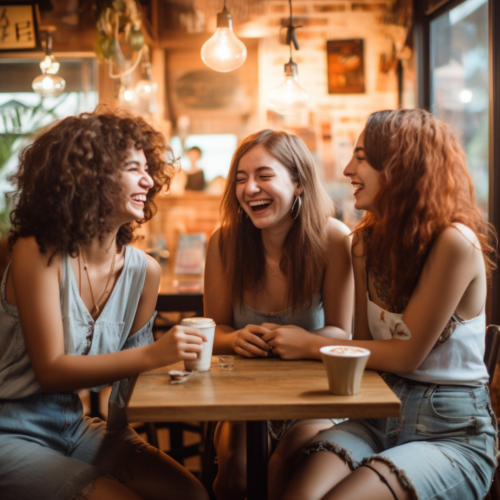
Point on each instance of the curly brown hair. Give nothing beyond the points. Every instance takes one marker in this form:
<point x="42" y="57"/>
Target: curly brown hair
<point x="425" y="187"/>
<point x="69" y="179"/>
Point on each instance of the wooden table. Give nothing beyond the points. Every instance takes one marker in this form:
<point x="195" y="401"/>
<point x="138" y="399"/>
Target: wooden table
<point x="256" y="390"/>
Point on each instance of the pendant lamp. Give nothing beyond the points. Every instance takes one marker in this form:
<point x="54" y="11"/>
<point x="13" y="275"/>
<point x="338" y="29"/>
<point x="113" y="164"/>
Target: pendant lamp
<point x="289" y="98"/>
<point x="49" y="83"/>
<point x="224" y="52"/>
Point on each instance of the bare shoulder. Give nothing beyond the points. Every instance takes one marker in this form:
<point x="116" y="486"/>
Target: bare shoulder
<point x="153" y="269"/>
<point x="27" y="250"/>
<point x="214" y="238"/>
<point x="213" y="244"/>
<point x="337" y="231"/>
<point x="358" y="245"/>
<point x="457" y="240"/>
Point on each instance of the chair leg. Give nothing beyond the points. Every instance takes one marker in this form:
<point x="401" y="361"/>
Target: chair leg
<point x="150" y="429"/>
<point x="208" y="466"/>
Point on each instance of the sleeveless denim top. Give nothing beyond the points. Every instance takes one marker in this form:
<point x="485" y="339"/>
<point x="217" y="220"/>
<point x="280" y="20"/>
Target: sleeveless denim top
<point x="308" y="319"/>
<point x="82" y="335"/>
<point x="456" y="361"/>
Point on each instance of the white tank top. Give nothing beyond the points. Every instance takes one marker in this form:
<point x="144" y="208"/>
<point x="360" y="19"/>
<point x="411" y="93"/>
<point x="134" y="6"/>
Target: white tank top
<point x="456" y="361"/>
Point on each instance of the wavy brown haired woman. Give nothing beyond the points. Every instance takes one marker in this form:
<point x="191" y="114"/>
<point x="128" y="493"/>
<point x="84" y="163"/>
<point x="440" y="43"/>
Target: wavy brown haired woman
<point x="421" y="257"/>
<point x="76" y="311"/>
<point x="278" y="282"/>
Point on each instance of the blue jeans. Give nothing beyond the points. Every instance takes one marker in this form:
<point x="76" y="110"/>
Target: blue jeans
<point x="442" y="446"/>
<point x="49" y="451"/>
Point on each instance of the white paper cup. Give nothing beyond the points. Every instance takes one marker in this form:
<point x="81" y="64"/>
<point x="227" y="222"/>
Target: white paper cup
<point x="344" y="368"/>
<point x="206" y="326"/>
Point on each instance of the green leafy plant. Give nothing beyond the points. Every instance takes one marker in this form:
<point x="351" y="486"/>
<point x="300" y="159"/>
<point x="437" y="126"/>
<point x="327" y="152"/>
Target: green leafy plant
<point x="19" y="121"/>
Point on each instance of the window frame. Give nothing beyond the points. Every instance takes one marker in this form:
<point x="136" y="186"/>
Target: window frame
<point x="423" y="16"/>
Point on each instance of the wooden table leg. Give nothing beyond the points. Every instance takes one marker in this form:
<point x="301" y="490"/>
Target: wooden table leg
<point x="257" y="457"/>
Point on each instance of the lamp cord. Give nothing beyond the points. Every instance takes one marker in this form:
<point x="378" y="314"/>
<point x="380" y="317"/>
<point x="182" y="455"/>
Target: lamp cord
<point x="291" y="37"/>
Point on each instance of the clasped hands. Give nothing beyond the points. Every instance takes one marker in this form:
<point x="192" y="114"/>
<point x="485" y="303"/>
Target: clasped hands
<point x="284" y="341"/>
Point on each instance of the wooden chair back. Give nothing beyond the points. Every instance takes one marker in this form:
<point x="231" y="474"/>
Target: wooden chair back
<point x="492" y="346"/>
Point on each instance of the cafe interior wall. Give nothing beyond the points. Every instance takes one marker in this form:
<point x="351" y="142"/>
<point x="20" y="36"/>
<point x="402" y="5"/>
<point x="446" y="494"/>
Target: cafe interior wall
<point x="332" y="122"/>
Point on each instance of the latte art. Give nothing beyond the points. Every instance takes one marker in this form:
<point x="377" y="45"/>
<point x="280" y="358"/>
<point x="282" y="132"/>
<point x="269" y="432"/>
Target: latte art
<point x="347" y="351"/>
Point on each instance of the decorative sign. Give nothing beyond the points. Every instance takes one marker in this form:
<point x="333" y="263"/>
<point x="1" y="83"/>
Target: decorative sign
<point x="346" y="74"/>
<point x="190" y="254"/>
<point x="206" y="89"/>
<point x="17" y="27"/>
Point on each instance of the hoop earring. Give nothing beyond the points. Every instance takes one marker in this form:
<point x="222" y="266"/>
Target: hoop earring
<point x="298" y="201"/>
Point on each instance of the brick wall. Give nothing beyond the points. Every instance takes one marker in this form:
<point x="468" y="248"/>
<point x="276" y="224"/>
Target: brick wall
<point x="335" y="119"/>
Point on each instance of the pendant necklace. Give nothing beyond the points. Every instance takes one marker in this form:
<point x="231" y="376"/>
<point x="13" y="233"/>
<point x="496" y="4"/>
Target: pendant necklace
<point x="96" y="308"/>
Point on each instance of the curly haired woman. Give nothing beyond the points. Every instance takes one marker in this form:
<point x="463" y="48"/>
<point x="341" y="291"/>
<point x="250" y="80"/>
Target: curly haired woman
<point x="421" y="260"/>
<point x="76" y="310"/>
<point x="278" y="282"/>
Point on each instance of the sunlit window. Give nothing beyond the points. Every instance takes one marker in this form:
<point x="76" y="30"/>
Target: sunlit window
<point x="216" y="152"/>
<point x="459" y="79"/>
<point x="23" y="112"/>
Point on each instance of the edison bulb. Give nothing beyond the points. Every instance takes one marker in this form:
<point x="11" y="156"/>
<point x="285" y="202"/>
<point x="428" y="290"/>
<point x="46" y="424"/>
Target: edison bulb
<point x="289" y="97"/>
<point x="224" y="52"/>
<point x="49" y="65"/>
<point x="146" y="88"/>
<point x="48" y="85"/>
<point x="125" y="94"/>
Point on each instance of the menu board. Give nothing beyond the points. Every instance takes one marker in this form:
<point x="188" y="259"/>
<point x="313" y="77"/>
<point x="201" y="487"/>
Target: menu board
<point x="190" y="257"/>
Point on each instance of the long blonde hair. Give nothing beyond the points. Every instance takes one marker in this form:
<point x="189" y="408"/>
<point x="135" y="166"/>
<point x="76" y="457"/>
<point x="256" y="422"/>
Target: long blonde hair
<point x="305" y="247"/>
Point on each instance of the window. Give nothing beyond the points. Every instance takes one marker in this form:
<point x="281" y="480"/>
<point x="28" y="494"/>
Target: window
<point x="459" y="83"/>
<point x="22" y="111"/>
<point x="217" y="151"/>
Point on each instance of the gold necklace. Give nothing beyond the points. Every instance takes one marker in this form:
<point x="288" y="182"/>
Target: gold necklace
<point x="85" y="267"/>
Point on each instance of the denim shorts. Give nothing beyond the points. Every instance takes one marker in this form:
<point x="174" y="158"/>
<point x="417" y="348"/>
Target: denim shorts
<point x="49" y="451"/>
<point x="442" y="446"/>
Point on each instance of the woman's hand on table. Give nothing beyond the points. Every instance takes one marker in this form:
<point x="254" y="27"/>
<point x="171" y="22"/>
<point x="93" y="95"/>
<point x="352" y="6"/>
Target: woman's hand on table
<point x="178" y="344"/>
<point x="288" y="341"/>
<point x="248" y="341"/>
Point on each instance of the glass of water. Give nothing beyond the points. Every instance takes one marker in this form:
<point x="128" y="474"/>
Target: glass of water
<point x="226" y="362"/>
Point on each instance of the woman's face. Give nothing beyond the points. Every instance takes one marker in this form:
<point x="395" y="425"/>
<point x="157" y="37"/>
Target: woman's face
<point x="265" y="189"/>
<point x="136" y="182"/>
<point x="364" y="178"/>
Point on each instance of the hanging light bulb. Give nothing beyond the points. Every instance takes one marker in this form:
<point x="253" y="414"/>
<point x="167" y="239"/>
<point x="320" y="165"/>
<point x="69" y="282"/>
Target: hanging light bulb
<point x="125" y="94"/>
<point x="49" y="83"/>
<point x="146" y="87"/>
<point x="224" y="52"/>
<point x="289" y="97"/>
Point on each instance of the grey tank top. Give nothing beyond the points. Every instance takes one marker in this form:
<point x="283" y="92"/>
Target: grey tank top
<point x="309" y="319"/>
<point x="82" y="335"/>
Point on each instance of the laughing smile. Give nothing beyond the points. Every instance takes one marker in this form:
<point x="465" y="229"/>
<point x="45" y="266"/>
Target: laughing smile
<point x="259" y="205"/>
<point x="356" y="187"/>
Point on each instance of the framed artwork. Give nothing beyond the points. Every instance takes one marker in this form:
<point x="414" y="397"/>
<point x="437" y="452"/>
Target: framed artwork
<point x="18" y="29"/>
<point x="346" y="67"/>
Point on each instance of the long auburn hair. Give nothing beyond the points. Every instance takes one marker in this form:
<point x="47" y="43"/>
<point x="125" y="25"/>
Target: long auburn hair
<point x="304" y="250"/>
<point x="424" y="188"/>
<point x="69" y="179"/>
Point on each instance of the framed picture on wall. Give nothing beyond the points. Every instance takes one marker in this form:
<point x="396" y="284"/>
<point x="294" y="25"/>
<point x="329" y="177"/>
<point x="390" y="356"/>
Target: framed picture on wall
<point x="346" y="67"/>
<point x="18" y="29"/>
